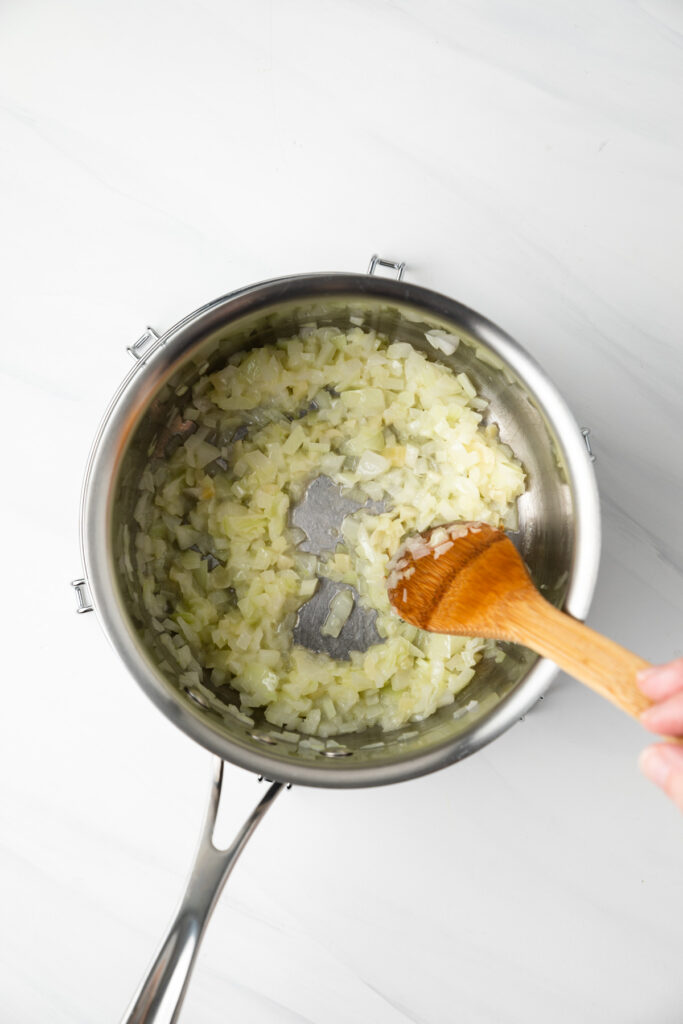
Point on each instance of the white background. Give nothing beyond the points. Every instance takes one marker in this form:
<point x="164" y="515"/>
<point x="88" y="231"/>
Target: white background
<point x="523" y="157"/>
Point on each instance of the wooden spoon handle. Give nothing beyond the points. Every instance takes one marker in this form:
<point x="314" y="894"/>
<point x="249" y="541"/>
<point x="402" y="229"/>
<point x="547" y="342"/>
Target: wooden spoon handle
<point x="606" y="667"/>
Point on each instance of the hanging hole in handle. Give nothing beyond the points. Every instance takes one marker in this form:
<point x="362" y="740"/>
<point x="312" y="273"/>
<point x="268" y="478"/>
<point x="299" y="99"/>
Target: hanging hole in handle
<point x="379" y="261"/>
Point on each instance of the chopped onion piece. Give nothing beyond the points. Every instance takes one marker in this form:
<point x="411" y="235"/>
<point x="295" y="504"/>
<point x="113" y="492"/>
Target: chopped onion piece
<point x="443" y="341"/>
<point x="371" y="464"/>
<point x="341" y="607"/>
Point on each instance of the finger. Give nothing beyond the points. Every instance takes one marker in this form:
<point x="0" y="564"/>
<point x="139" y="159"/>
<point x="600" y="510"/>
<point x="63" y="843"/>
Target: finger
<point x="663" y="765"/>
<point x="662" y="681"/>
<point x="665" y="717"/>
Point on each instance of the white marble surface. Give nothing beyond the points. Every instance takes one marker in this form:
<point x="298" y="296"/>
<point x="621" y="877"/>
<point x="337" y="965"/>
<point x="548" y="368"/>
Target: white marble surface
<point x="524" y="157"/>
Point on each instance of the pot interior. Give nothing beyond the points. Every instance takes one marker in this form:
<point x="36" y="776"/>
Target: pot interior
<point x="546" y="518"/>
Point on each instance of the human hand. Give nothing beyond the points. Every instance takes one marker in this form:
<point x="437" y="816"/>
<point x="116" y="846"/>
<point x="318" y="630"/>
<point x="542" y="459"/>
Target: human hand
<point x="662" y="763"/>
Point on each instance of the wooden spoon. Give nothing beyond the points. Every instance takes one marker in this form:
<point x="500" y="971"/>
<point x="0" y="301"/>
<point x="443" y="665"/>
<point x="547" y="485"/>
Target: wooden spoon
<point x="468" y="579"/>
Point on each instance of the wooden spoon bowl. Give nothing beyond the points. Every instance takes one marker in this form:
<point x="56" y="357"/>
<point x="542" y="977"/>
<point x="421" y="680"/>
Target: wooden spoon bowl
<point x="468" y="579"/>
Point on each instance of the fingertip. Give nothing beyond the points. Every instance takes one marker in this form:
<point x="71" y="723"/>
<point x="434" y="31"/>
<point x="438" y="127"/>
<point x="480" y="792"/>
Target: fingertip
<point x="661" y="681"/>
<point x="653" y="766"/>
<point x="662" y="764"/>
<point x="665" y="717"/>
<point x="675" y="789"/>
<point x="643" y="678"/>
<point x="657" y="719"/>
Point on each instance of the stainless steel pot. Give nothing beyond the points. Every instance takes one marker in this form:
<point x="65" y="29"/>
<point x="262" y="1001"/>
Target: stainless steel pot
<point x="559" y="538"/>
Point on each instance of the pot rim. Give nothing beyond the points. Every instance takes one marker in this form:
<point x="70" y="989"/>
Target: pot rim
<point x="98" y="557"/>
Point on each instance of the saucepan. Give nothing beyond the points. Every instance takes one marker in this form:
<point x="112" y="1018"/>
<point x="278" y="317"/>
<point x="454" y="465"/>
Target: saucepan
<point x="558" y="536"/>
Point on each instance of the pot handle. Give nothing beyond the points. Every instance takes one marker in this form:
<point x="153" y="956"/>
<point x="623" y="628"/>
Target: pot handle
<point x="160" y="996"/>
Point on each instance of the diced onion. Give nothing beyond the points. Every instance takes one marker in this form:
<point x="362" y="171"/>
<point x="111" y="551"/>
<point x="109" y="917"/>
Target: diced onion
<point x="371" y="465"/>
<point x="341" y="607"/>
<point x="443" y="341"/>
<point x="220" y="575"/>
